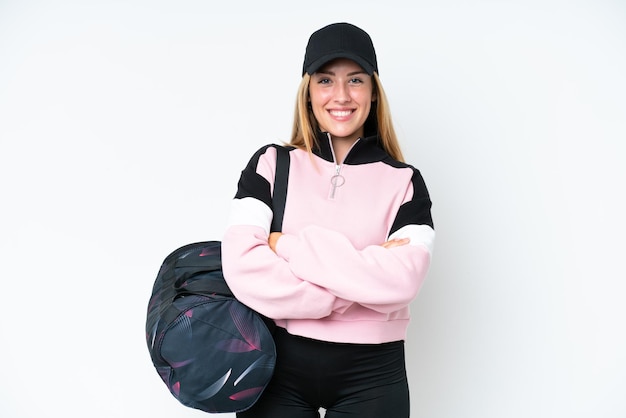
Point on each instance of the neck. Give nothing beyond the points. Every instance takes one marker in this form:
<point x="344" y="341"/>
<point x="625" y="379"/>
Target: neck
<point x="341" y="147"/>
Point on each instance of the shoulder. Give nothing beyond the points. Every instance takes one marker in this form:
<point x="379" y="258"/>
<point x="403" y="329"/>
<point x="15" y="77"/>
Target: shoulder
<point x="263" y="154"/>
<point x="401" y="165"/>
<point x="264" y="160"/>
<point x="270" y="150"/>
<point x="417" y="180"/>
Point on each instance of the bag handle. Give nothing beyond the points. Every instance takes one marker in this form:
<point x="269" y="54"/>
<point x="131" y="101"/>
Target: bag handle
<point x="281" y="180"/>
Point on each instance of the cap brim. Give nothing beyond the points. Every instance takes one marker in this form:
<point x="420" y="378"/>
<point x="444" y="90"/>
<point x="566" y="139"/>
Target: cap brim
<point x="318" y="63"/>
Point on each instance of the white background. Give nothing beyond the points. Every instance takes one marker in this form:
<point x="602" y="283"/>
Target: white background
<point x="124" y="126"/>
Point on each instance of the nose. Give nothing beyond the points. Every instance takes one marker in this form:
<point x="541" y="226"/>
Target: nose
<point x="342" y="93"/>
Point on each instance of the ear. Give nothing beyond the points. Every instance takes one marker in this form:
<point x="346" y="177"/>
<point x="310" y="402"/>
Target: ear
<point x="374" y="96"/>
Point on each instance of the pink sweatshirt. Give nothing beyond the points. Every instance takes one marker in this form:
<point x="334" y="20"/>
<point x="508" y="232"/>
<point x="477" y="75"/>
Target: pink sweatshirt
<point x="330" y="279"/>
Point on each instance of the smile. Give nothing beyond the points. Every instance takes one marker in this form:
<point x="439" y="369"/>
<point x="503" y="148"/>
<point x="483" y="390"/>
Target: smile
<point x="340" y="113"/>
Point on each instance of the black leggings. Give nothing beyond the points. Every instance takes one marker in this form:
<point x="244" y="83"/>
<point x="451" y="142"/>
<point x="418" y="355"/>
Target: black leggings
<point x="348" y="380"/>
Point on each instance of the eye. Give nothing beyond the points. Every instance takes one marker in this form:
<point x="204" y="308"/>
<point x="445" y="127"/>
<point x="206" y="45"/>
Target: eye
<point x="323" y="80"/>
<point x="356" y="80"/>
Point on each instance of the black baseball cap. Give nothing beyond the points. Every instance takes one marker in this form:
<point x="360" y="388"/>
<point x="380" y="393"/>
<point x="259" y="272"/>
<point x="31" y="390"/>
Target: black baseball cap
<point x="340" y="40"/>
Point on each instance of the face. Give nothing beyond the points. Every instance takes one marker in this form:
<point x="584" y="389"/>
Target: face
<point x="341" y="95"/>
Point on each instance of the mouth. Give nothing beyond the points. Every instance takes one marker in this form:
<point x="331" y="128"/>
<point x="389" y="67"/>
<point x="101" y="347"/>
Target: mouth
<point x="340" y="113"/>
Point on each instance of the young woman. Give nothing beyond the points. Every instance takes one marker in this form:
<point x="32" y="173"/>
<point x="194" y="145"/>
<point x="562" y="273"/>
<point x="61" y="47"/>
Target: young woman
<point x="354" y="248"/>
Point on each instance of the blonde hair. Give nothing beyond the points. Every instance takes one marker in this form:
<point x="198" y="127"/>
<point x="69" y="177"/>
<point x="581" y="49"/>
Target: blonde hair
<point x="305" y="128"/>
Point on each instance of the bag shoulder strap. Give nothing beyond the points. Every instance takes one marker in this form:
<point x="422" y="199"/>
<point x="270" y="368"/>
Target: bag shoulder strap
<point x="281" y="180"/>
<point x="207" y="279"/>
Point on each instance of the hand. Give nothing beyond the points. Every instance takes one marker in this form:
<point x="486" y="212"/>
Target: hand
<point x="273" y="240"/>
<point x="395" y="242"/>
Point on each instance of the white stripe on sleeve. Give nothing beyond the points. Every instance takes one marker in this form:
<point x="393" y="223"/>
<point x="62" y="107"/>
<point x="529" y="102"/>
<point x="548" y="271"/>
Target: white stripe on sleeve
<point x="250" y="211"/>
<point x="419" y="235"/>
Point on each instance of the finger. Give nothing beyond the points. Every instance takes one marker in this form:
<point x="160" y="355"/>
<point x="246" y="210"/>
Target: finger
<point x="396" y="242"/>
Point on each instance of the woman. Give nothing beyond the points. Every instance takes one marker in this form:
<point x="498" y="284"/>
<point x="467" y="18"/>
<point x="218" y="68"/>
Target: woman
<point x="354" y="249"/>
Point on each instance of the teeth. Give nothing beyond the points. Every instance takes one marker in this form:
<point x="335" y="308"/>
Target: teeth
<point x="340" y="113"/>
